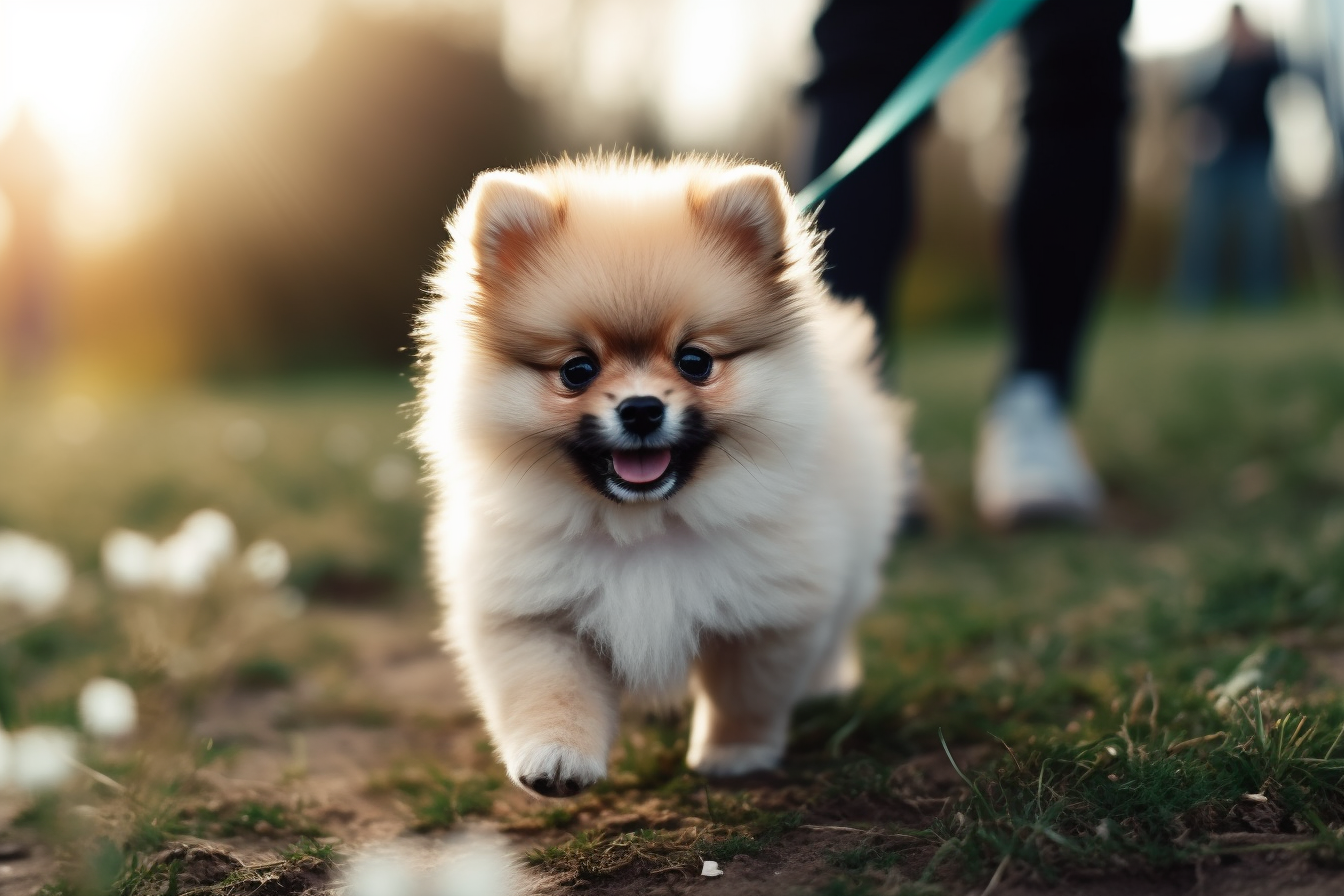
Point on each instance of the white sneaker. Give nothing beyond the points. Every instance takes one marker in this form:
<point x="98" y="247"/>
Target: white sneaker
<point x="1029" y="468"/>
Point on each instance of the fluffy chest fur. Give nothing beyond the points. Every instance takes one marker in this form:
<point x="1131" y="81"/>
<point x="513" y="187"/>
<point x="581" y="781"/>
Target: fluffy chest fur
<point x="645" y="604"/>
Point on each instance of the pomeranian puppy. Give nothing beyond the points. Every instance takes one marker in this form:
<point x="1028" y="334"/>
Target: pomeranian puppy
<point x="659" y="452"/>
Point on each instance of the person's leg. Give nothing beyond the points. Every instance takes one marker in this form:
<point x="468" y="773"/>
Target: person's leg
<point x="1202" y="233"/>
<point x="866" y="48"/>
<point x="1261" y="221"/>
<point x="1029" y="468"/>
<point x="1062" y="219"/>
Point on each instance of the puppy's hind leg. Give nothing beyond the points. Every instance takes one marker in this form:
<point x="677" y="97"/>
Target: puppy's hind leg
<point x="746" y="688"/>
<point x="549" y="702"/>
<point x="840" y="670"/>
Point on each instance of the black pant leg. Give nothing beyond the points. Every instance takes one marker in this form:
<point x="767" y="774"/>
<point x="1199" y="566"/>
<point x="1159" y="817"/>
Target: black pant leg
<point x="1062" y="219"/>
<point x="866" y="48"/>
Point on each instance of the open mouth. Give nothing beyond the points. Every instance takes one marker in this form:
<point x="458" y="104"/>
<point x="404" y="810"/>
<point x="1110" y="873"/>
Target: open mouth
<point x="651" y="473"/>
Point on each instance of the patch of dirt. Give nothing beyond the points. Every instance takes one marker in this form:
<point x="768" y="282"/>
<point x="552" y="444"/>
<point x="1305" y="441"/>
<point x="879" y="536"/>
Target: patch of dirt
<point x="24" y="867"/>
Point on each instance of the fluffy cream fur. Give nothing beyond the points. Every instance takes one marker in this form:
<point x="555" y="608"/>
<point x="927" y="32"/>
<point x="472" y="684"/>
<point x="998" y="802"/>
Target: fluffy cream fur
<point x="747" y="579"/>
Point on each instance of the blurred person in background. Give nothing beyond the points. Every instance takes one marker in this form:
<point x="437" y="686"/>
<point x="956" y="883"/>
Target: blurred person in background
<point x="28" y="257"/>
<point x="1230" y="189"/>
<point x="1330" y="20"/>
<point x="1059" y="230"/>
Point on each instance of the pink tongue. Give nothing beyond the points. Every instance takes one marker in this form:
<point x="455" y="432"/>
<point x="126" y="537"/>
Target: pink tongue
<point x="641" y="466"/>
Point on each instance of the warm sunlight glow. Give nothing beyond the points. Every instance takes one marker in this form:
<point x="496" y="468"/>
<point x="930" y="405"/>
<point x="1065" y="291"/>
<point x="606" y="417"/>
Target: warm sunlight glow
<point x="77" y="67"/>
<point x="102" y="80"/>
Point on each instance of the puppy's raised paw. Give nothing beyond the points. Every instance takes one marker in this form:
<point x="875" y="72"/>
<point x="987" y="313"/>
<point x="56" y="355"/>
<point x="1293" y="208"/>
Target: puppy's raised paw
<point x="731" y="760"/>
<point x="556" y="770"/>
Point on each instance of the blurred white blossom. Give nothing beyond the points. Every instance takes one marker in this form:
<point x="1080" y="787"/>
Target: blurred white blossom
<point x="475" y="866"/>
<point x="472" y="865"/>
<point x="181" y="568"/>
<point x="212" y="534"/>
<point x="33" y="574"/>
<point x="182" y="564"/>
<point x="266" y="561"/>
<point x="379" y="875"/>
<point x="393" y="477"/>
<point x="107" y="708"/>
<point x="41" y="758"/>
<point x="130" y="559"/>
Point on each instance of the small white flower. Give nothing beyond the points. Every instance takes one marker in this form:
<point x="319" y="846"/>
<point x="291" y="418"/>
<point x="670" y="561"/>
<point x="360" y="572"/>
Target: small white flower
<point x="33" y="574"/>
<point x="475" y="866"/>
<point x="130" y="559"/>
<point x="710" y="869"/>
<point x="379" y="875"/>
<point x="181" y="568"/>
<point x="267" y="562"/>
<point x="187" y="559"/>
<point x="107" y="708"/>
<point x="42" y="757"/>
<point x="213" y="533"/>
<point x="393" y="478"/>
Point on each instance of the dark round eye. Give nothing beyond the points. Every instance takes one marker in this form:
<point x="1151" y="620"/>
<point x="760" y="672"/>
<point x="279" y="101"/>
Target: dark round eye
<point x="578" y="372"/>
<point x="694" y="364"/>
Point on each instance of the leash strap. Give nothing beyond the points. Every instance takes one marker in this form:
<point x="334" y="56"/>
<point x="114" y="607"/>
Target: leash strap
<point x="913" y="95"/>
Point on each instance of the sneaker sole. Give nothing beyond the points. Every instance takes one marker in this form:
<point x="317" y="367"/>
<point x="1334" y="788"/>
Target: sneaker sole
<point x="1041" y="515"/>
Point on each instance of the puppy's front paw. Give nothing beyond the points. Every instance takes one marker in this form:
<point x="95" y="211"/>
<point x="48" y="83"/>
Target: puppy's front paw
<point x="730" y="760"/>
<point x="556" y="770"/>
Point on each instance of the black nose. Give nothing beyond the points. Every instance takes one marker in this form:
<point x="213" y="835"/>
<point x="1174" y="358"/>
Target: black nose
<point x="641" y="415"/>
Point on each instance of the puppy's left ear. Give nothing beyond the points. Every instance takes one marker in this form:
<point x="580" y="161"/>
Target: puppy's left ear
<point x="749" y="206"/>
<point x="510" y="214"/>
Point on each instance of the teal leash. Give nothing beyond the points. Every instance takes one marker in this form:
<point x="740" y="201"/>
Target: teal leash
<point x="913" y="95"/>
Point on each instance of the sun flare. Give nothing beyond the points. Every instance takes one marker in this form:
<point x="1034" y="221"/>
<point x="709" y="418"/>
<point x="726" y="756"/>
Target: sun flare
<point x="79" y="69"/>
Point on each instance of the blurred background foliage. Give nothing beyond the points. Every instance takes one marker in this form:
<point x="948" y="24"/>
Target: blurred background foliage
<point x="216" y="217"/>
<point x="239" y="188"/>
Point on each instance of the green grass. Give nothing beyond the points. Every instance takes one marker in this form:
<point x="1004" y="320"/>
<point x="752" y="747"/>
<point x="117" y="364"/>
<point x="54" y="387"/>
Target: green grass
<point x="153" y="458"/>
<point x="1143" y="696"/>
<point x="438" y="801"/>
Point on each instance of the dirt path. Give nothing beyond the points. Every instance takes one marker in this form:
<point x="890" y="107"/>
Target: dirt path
<point x="376" y="701"/>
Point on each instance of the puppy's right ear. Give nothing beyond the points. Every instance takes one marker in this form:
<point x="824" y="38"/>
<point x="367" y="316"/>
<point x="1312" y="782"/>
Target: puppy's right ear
<point x="749" y="206"/>
<point x="510" y="215"/>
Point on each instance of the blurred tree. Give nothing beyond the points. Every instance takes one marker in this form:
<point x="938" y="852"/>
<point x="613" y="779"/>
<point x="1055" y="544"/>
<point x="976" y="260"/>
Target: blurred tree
<point x="311" y="226"/>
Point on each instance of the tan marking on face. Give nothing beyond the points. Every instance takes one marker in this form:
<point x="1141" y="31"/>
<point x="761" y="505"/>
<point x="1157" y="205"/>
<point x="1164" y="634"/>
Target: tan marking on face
<point x="629" y="286"/>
